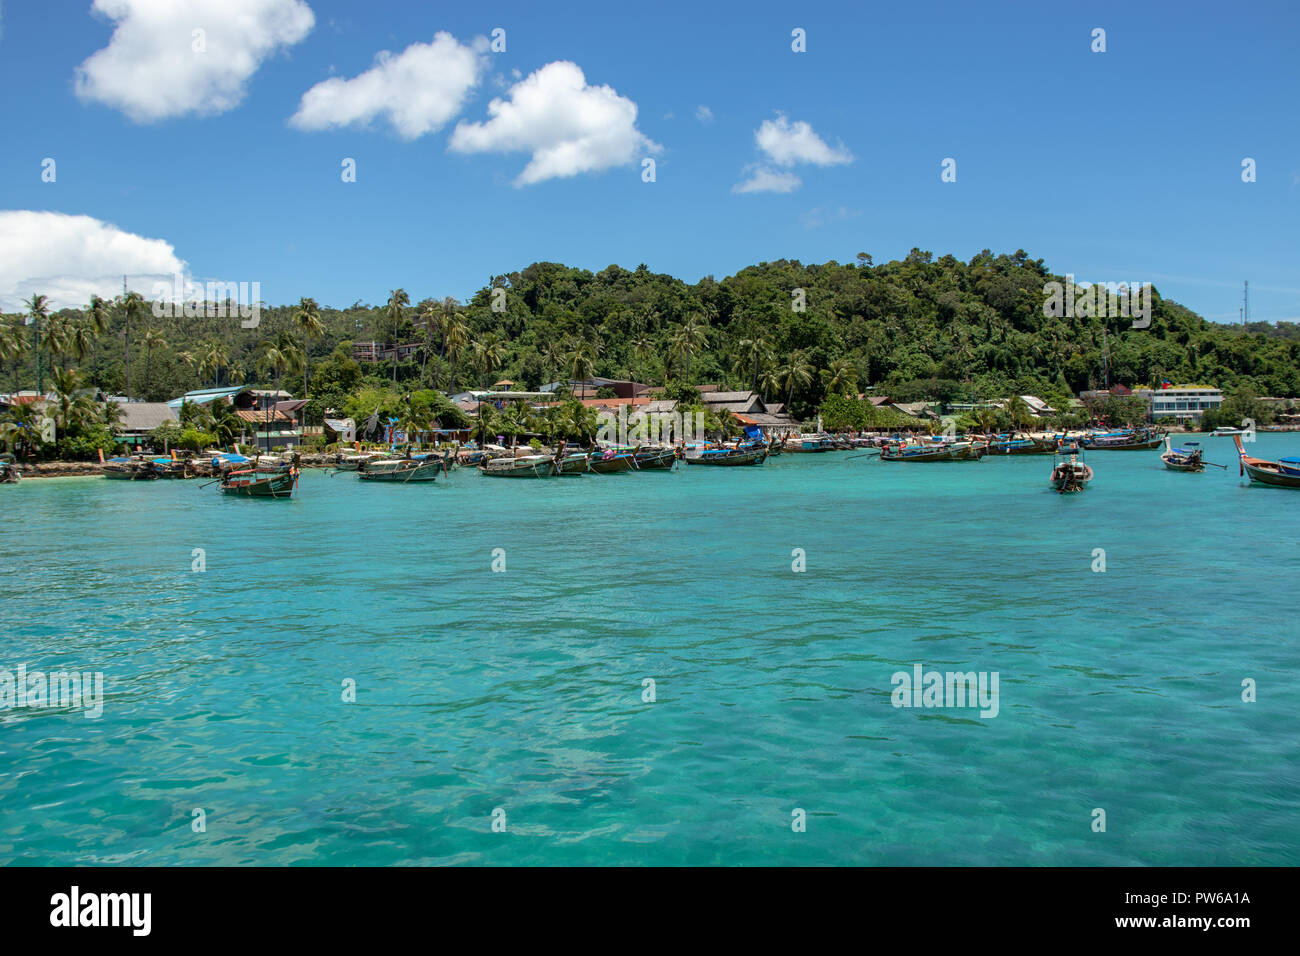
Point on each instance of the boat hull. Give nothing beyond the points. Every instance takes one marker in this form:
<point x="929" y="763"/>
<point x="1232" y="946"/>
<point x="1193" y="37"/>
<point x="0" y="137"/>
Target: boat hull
<point x="754" y="456"/>
<point x="544" y="468"/>
<point x="611" y="466"/>
<point x="423" y="472"/>
<point x="656" y="461"/>
<point x="273" y="486"/>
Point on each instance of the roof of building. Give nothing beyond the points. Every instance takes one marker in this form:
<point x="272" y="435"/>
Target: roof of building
<point x="262" y="416"/>
<point x="715" y="398"/>
<point x="145" y="416"/>
<point x="201" y="396"/>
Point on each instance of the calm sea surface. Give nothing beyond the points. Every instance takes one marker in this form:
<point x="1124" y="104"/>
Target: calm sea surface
<point x="523" y="690"/>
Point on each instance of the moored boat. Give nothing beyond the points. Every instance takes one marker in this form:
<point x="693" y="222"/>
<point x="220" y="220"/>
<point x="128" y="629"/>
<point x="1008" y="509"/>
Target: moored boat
<point x="752" y="455"/>
<point x="1189" y="457"/>
<point x="571" y="465"/>
<point x="1070" y="473"/>
<point x="524" y="466"/>
<point x="941" y="451"/>
<point x="1125" y="439"/>
<point x="261" y="481"/>
<point x="1006" y="445"/>
<point x="655" y="459"/>
<point x="401" y="470"/>
<point x="1283" y="473"/>
<point x="610" y="462"/>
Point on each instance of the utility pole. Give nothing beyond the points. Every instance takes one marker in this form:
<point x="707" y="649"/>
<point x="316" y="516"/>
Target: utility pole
<point x="1245" y="302"/>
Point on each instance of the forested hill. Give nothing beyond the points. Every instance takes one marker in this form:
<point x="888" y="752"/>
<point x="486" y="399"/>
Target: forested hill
<point x="917" y="328"/>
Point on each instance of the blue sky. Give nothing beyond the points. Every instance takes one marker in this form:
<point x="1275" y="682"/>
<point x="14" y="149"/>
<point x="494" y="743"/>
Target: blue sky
<point x="1115" y="166"/>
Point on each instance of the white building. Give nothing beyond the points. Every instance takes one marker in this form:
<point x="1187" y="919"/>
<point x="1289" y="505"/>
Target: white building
<point x="1181" y="401"/>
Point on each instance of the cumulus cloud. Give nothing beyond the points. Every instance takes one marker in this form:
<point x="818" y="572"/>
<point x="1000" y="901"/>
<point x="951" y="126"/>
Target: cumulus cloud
<point x="67" y="258"/>
<point x="764" y="180"/>
<point x="568" y="126"/>
<point x="169" y="59"/>
<point x="703" y="114"/>
<point x="418" y="91"/>
<point x="786" y="143"/>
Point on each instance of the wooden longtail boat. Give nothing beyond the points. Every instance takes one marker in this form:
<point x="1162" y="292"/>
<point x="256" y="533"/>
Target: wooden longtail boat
<point x="1128" y="439"/>
<point x="401" y="470"/>
<point x="655" y="459"/>
<point x="1069" y="472"/>
<point x="610" y="463"/>
<point x="265" y="481"/>
<point x="1283" y="473"/>
<point x="947" y="451"/>
<point x="1190" y="457"/>
<point x="525" y="466"/>
<point x="754" y="455"/>
<point x="9" y="473"/>
<point x="809" y="443"/>
<point x="571" y="465"/>
<point x="130" y="469"/>
<point x="1021" y="446"/>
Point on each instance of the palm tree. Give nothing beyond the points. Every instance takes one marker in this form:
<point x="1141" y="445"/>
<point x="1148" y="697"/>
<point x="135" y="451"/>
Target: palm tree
<point x="797" y="373"/>
<point x="38" y="308"/>
<point x="841" y="378"/>
<point x="97" y="318"/>
<point x="555" y="354"/>
<point x="12" y="346"/>
<point x="152" y="339"/>
<point x="455" y="338"/>
<point x="769" y="381"/>
<point x="397" y="301"/>
<point x="1020" y="412"/>
<point x="133" y="306"/>
<point x="582" y="361"/>
<point x="281" y="354"/>
<point x="431" y="319"/>
<point x="689" y="338"/>
<point x="489" y="353"/>
<point x="485" y="426"/>
<point x="226" y="423"/>
<point x="727" y="422"/>
<point x="515" y="421"/>
<point x="70" y="410"/>
<point x="213" y="355"/>
<point x="759" y="354"/>
<point x="306" y="318"/>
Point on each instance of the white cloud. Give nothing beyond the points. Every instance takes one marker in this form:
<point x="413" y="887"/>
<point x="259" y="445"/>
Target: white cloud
<point x="704" y="114"/>
<point x="418" y="91"/>
<point x="786" y="143"/>
<point x="568" y="126"/>
<point x="764" y="180"/>
<point x="67" y="258"/>
<point x="153" y="69"/>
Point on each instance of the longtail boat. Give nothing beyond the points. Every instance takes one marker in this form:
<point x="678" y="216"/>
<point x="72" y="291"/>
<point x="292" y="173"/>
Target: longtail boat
<point x="943" y="451"/>
<point x="129" y="469"/>
<point x="401" y="470"/>
<point x="1126" y="439"/>
<point x="9" y="473"/>
<point x="1070" y="473"/>
<point x="655" y="459"/>
<point x="1005" y="445"/>
<point x="753" y="455"/>
<point x="261" y="481"/>
<point x="809" y="443"/>
<point x="571" y="465"/>
<point x="1283" y="473"/>
<point x="525" y="466"/>
<point x="1189" y="457"/>
<point x="610" y="462"/>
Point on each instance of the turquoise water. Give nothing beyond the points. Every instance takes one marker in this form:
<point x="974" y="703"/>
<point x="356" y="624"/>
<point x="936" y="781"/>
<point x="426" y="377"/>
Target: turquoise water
<point x="523" y="690"/>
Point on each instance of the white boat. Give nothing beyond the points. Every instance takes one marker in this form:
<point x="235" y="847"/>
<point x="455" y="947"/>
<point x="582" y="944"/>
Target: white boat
<point x="400" y="470"/>
<point x="525" y="466"/>
<point x="1220" y="432"/>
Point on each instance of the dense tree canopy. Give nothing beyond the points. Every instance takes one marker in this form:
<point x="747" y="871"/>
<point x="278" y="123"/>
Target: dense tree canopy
<point x="915" y="329"/>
